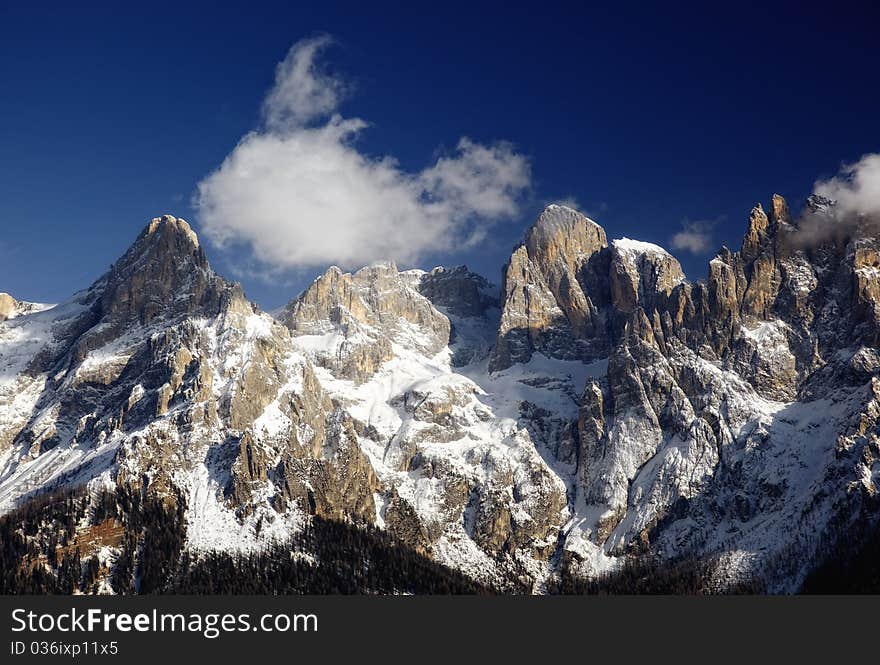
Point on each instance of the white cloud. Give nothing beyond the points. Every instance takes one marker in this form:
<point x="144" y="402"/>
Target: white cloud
<point x="568" y="202"/>
<point x="302" y="92"/>
<point x="856" y="189"/>
<point x="298" y="193"/>
<point x="855" y="196"/>
<point x="695" y="237"/>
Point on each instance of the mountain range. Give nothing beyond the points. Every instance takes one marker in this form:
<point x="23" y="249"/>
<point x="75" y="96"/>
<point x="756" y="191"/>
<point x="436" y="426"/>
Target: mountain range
<point x="595" y="412"/>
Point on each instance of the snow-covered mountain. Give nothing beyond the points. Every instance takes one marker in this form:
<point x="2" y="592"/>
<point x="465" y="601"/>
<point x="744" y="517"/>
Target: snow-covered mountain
<point x="596" y="407"/>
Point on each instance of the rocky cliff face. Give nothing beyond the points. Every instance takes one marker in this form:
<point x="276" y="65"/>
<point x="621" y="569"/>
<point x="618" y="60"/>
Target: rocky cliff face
<point x="597" y="406"/>
<point x="352" y="319"/>
<point x="8" y="306"/>
<point x="549" y="292"/>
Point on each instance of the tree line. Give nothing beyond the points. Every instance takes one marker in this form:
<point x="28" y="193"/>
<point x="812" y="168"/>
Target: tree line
<point x="39" y="555"/>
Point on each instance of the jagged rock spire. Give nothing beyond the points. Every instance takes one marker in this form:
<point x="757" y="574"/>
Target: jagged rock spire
<point x="164" y="272"/>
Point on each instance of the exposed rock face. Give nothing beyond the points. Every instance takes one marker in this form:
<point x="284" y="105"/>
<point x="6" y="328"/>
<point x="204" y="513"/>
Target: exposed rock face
<point x="164" y="263"/>
<point x="8" y="306"/>
<point x="458" y="291"/>
<point x="471" y="304"/>
<point x="545" y="295"/>
<point x="603" y="406"/>
<point x="342" y="477"/>
<point x="368" y="310"/>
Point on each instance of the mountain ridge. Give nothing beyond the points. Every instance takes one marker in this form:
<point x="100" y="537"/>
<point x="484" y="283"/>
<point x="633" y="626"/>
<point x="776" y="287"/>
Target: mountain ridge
<point x="597" y="407"/>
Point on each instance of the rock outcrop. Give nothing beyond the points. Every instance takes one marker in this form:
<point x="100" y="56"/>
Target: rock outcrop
<point x="458" y="291"/>
<point x="369" y="310"/>
<point x="8" y="306"/>
<point x="547" y="298"/>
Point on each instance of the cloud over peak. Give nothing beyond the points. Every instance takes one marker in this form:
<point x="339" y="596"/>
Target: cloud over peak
<point x="855" y="189"/>
<point x="850" y="204"/>
<point x="297" y="192"/>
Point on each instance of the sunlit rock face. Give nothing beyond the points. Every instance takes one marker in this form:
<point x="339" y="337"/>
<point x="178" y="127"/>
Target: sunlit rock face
<point x="8" y="306"/>
<point x="366" y="312"/>
<point x="552" y="292"/>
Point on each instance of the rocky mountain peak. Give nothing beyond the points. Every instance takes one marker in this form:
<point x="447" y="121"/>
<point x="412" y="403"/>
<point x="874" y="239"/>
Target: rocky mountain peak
<point x="544" y="304"/>
<point x="764" y="228"/>
<point x="819" y="204"/>
<point x="779" y="212"/>
<point x="757" y="234"/>
<point x="11" y="308"/>
<point x="369" y="296"/>
<point x="352" y="319"/>
<point x="562" y="233"/>
<point x="626" y="411"/>
<point x="639" y="272"/>
<point x="8" y="306"/>
<point x="459" y="291"/>
<point x="163" y="240"/>
<point x="165" y="272"/>
<point x="170" y="225"/>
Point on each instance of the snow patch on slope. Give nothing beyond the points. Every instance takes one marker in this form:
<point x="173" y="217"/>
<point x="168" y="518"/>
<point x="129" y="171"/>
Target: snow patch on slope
<point x="638" y="246"/>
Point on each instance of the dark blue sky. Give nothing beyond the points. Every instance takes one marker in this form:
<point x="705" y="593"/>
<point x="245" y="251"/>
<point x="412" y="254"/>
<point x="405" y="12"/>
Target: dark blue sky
<point x="647" y="116"/>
